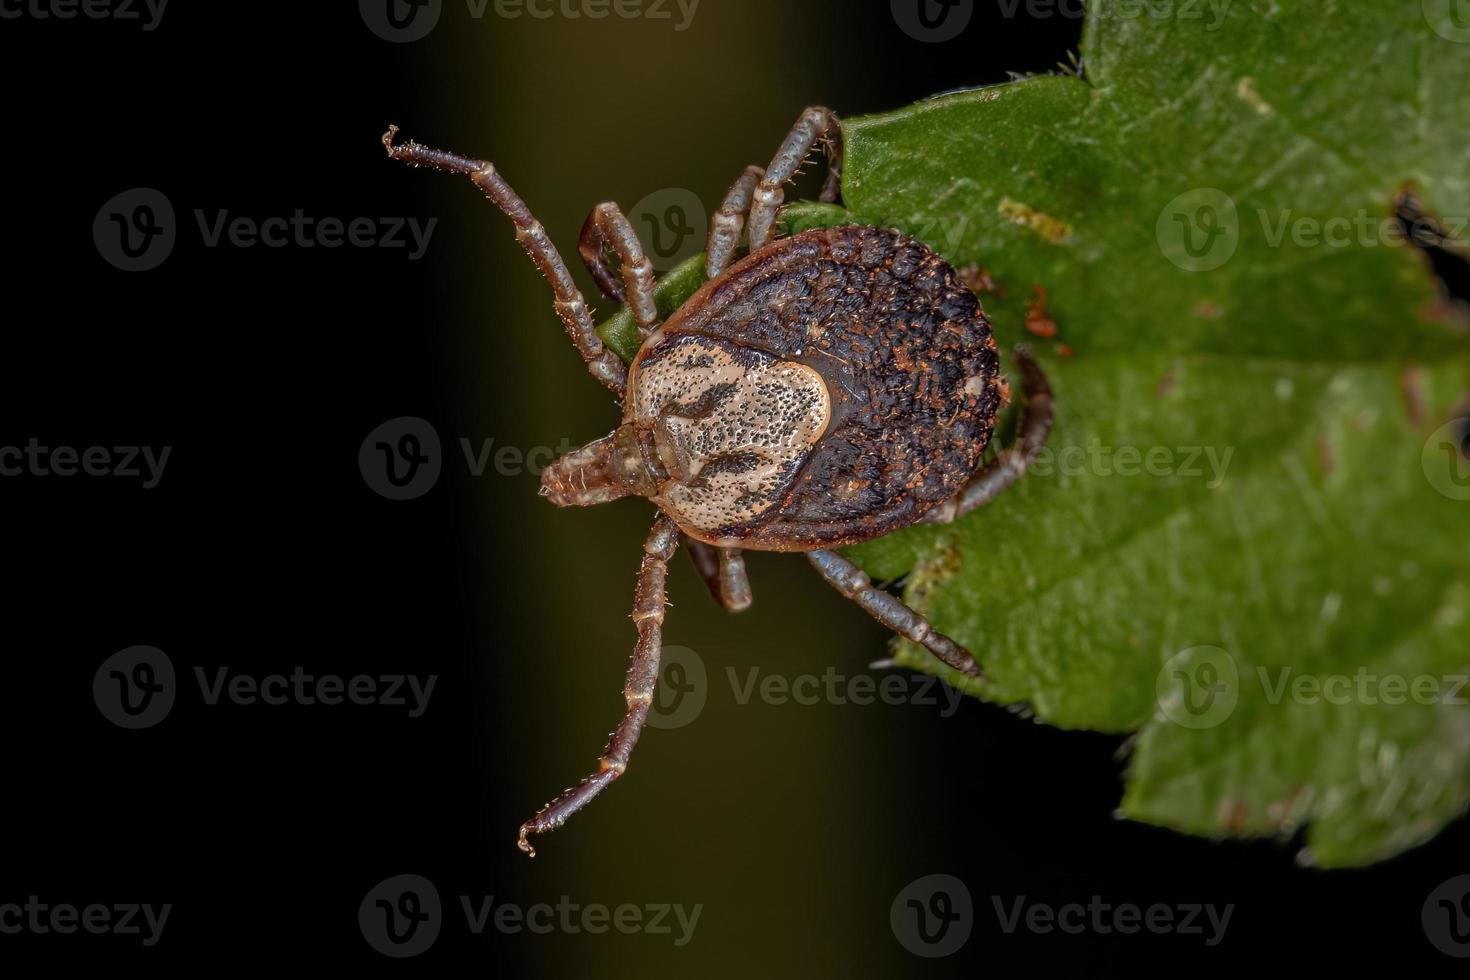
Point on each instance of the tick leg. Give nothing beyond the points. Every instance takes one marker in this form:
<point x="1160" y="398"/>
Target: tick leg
<point x="813" y="126"/>
<point x="723" y="570"/>
<point x="605" y="366"/>
<point x="648" y="616"/>
<point x="854" y="583"/>
<point x="729" y="221"/>
<point x="608" y="226"/>
<point x="1037" y="409"/>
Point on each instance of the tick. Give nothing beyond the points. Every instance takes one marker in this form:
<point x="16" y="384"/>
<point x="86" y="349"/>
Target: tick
<point x="827" y="388"/>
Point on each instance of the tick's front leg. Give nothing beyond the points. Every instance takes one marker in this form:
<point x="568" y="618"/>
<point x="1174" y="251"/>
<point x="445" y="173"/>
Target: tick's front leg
<point x="728" y="223"/>
<point x="815" y="125"/>
<point x="648" y="616"/>
<point x="605" y="227"/>
<point x="605" y="366"/>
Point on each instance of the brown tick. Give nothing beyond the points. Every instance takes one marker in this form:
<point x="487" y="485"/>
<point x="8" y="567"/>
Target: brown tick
<point x="827" y="388"/>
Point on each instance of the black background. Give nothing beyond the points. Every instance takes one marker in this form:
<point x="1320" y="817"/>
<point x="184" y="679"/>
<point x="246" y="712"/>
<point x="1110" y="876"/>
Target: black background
<point x="262" y="549"/>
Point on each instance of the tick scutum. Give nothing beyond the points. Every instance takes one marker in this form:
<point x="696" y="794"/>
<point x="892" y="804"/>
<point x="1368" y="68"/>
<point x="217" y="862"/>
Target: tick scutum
<point x="909" y="364"/>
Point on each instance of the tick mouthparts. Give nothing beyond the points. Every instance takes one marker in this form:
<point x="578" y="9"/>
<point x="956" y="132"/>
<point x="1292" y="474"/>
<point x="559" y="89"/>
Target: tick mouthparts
<point x="612" y="467"/>
<point x="590" y="475"/>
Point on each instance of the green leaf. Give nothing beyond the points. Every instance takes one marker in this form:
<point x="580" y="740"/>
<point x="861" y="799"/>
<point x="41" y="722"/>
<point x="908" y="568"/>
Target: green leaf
<point x="1232" y="545"/>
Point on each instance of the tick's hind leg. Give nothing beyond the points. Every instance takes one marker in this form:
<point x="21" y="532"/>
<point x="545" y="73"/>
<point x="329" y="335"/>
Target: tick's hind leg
<point x="570" y="306"/>
<point x="815" y="125"/>
<point x="854" y="583"/>
<point x="723" y="570"/>
<point x="1037" y="408"/>
<point x="648" y="616"/>
<point x="608" y="226"/>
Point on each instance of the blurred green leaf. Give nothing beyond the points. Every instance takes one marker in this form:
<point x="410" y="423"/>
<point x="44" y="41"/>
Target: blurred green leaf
<point x="1233" y="544"/>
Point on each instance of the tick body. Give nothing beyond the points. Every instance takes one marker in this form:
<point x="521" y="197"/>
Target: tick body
<point x="826" y="389"/>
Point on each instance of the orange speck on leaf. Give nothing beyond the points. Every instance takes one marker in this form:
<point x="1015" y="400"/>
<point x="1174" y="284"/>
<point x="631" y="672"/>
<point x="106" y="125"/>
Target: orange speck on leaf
<point x="1037" y="321"/>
